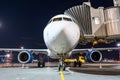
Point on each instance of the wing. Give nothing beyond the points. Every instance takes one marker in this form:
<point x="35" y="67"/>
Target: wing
<point x="93" y="54"/>
<point x="38" y="51"/>
<point x="99" y="49"/>
<point x="26" y="55"/>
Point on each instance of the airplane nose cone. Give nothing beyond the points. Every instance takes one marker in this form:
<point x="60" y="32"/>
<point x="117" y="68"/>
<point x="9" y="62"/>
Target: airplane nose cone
<point x="61" y="38"/>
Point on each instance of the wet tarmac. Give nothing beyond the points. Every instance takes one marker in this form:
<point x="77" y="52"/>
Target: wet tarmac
<point x="49" y="73"/>
<point x="102" y="71"/>
<point x="99" y="68"/>
<point x="107" y="71"/>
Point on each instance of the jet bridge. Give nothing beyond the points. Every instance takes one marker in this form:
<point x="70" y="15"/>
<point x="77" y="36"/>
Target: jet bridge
<point x="101" y="22"/>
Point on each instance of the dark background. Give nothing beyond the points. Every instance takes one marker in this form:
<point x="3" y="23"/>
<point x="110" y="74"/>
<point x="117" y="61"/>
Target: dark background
<point x="22" y="21"/>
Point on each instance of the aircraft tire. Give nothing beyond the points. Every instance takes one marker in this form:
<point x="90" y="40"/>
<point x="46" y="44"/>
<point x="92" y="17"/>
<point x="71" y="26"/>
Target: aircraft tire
<point x="59" y="67"/>
<point x="64" y="67"/>
<point x="39" y="64"/>
<point x="75" y="64"/>
<point x="43" y="64"/>
<point x="79" y="64"/>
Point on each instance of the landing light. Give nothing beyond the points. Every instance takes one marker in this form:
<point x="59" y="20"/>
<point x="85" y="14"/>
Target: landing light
<point x="95" y="42"/>
<point x="22" y="47"/>
<point x="118" y="44"/>
<point x="8" y="55"/>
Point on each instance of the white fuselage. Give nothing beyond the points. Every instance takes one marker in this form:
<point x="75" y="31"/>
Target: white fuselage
<point x="61" y="36"/>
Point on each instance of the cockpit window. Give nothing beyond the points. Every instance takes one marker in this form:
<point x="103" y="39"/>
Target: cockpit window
<point x="57" y="19"/>
<point x="67" y="19"/>
<point x="60" y="19"/>
<point x="50" y="21"/>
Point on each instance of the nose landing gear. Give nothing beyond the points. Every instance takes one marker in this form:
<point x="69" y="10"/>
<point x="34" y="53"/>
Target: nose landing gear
<point x="61" y="65"/>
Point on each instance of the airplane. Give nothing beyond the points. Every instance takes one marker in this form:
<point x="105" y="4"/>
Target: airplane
<point x="61" y="36"/>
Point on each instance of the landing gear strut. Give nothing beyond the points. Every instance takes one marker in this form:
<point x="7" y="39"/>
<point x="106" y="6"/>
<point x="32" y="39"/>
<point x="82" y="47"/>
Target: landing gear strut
<point x="41" y="62"/>
<point x="61" y="65"/>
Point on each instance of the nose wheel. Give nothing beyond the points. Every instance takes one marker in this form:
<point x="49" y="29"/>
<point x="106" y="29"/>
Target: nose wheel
<point x="61" y="65"/>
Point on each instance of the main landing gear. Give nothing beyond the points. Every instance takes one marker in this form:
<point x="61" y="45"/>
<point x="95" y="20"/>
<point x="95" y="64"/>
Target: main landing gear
<point x="41" y="62"/>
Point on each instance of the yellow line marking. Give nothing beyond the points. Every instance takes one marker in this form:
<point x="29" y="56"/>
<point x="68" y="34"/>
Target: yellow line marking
<point x="61" y="75"/>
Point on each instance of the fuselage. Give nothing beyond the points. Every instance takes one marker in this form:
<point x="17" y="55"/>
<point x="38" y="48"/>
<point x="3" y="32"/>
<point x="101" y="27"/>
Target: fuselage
<point x="61" y="34"/>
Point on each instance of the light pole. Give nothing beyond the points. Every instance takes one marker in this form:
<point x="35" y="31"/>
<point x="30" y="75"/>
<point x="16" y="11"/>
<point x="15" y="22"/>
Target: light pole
<point x="118" y="45"/>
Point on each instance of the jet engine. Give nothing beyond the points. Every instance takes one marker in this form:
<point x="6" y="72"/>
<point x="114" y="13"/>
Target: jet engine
<point x="25" y="57"/>
<point x="94" y="56"/>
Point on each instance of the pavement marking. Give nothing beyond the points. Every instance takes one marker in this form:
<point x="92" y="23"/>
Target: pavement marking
<point x="68" y="69"/>
<point x="18" y="78"/>
<point x="61" y="75"/>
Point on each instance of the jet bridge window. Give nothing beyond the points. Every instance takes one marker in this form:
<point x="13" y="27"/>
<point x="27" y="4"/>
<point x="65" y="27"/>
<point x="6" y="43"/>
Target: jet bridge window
<point x="96" y="20"/>
<point x="67" y="19"/>
<point x="57" y="19"/>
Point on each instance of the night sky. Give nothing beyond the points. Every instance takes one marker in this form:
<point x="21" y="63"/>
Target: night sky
<point x="22" y="21"/>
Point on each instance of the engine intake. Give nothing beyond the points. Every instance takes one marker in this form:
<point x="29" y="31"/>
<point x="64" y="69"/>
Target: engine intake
<point x="94" y="56"/>
<point x="25" y="57"/>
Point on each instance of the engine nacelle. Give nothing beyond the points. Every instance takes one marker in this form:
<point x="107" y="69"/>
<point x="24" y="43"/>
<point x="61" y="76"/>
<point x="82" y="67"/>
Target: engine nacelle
<point x="25" y="57"/>
<point x="94" y="56"/>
